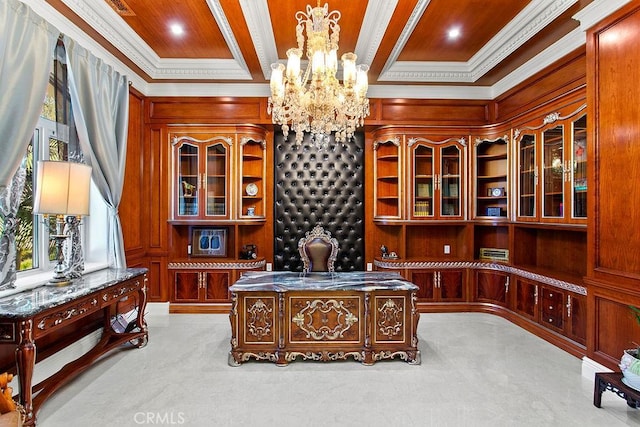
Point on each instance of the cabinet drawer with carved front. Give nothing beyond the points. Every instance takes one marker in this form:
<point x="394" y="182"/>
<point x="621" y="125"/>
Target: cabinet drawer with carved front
<point x="327" y="319"/>
<point x="64" y="315"/>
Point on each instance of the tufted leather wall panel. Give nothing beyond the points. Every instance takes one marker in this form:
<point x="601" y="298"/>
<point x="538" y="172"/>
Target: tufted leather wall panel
<point x="319" y="186"/>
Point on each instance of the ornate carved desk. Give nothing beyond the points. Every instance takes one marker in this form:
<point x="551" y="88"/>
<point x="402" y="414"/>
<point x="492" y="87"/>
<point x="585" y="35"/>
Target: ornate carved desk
<point x="279" y="316"/>
<point x="28" y="316"/>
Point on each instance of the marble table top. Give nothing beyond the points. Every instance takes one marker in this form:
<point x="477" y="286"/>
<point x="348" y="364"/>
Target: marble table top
<point x="33" y="301"/>
<point x="283" y="281"/>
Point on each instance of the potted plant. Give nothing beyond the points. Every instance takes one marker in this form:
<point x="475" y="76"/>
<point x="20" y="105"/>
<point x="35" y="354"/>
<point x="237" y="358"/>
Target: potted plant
<point x="630" y="361"/>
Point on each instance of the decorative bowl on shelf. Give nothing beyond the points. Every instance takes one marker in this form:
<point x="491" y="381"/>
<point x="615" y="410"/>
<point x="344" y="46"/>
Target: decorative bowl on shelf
<point x="252" y="189"/>
<point x="630" y="367"/>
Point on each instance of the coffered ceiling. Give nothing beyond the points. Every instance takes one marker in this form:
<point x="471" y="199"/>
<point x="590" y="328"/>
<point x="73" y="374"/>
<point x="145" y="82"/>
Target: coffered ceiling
<point x="405" y="42"/>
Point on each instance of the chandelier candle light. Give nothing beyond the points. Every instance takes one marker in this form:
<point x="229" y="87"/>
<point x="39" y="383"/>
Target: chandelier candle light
<point x="316" y="101"/>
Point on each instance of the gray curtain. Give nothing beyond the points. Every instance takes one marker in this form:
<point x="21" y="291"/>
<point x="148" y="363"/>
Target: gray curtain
<point x="10" y="197"/>
<point x="26" y="47"/>
<point x="100" y="102"/>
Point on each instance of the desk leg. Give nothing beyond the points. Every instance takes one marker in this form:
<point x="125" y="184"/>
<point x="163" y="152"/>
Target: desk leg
<point x="25" y="361"/>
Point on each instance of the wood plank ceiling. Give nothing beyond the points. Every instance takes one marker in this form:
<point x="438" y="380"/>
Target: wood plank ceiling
<point x="403" y="41"/>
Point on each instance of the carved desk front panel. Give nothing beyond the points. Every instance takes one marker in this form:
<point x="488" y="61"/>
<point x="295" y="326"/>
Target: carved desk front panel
<point x="280" y="317"/>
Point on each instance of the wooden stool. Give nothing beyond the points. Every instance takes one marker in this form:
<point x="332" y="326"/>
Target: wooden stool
<point x="613" y="381"/>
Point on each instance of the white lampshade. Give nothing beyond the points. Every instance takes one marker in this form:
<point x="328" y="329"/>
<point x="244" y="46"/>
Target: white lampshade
<point x="62" y="188"/>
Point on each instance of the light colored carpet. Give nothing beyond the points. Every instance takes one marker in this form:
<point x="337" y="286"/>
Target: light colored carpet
<point x="477" y="370"/>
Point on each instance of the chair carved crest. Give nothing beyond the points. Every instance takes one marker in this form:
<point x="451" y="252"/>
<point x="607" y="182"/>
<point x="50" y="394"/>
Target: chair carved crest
<point x="318" y="250"/>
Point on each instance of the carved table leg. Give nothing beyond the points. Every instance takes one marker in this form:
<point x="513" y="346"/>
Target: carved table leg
<point x="233" y="320"/>
<point x="142" y="305"/>
<point x="25" y="361"/>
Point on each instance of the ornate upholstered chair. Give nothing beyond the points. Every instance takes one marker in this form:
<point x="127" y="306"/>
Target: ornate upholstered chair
<point x="318" y="250"/>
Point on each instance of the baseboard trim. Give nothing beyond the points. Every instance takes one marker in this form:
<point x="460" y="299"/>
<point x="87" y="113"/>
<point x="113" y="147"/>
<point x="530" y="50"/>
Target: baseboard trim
<point x="590" y="367"/>
<point x="157" y="309"/>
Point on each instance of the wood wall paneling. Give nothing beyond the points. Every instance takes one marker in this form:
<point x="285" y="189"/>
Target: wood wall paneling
<point x="557" y="81"/>
<point x="433" y="112"/>
<point x="208" y="110"/>
<point x="132" y="208"/>
<point x="618" y="150"/>
<point x="613" y="125"/>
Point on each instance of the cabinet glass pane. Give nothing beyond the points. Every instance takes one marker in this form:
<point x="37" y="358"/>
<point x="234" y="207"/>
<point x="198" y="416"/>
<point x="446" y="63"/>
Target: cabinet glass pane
<point x="527" y="176"/>
<point x="579" y="172"/>
<point x="553" y="172"/>
<point x="216" y="173"/>
<point x="491" y="178"/>
<point x="187" y="185"/>
<point x="450" y="184"/>
<point x="423" y="181"/>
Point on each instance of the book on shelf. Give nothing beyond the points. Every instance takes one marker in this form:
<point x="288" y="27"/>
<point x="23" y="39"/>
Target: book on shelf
<point x="423" y="190"/>
<point x="422" y="208"/>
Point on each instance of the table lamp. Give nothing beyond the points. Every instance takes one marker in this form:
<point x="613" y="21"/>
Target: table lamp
<point x="62" y="188"/>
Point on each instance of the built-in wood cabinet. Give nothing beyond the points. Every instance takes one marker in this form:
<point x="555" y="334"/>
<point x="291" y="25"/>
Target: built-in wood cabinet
<point x="220" y="187"/>
<point x="388" y="190"/>
<point x="551" y="169"/>
<point x="202" y="174"/>
<point x="438" y="179"/>
<point x="200" y="286"/>
<point x="556" y="309"/>
<point x="252" y="177"/>
<point x="491" y="178"/>
<point x="439" y="285"/>
<point x="492" y="287"/>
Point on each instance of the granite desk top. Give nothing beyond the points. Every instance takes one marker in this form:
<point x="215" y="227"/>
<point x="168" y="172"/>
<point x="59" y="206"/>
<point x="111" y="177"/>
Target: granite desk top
<point x="283" y="281"/>
<point x="33" y="301"/>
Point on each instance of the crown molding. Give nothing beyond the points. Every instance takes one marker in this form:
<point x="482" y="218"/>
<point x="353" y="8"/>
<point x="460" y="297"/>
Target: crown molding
<point x="596" y="11"/>
<point x="374" y="25"/>
<point x="261" y="33"/>
<point x="112" y="27"/>
<point x="532" y="19"/>
<point x="556" y="51"/>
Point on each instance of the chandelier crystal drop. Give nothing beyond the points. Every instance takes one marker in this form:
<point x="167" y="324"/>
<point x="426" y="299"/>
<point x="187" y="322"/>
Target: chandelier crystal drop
<point x="316" y="101"/>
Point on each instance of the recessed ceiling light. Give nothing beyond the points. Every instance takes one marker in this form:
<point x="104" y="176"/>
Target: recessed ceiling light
<point x="454" y="33"/>
<point x="177" y="29"/>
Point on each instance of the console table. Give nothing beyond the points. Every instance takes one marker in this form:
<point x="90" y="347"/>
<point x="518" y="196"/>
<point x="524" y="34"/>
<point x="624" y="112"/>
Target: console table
<point x="28" y="316"/>
<point x="279" y="316"/>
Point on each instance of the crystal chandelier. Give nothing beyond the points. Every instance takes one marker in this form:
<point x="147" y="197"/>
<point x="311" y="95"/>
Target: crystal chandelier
<point x="316" y="101"/>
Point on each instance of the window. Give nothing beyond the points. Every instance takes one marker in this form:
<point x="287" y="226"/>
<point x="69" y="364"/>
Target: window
<point x="55" y="139"/>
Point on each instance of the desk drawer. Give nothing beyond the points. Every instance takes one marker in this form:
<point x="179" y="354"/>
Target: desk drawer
<point x="325" y="319"/>
<point x="63" y="315"/>
<point x="120" y="291"/>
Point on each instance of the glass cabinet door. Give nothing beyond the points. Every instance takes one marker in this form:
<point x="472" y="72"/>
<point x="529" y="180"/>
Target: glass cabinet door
<point x="579" y="170"/>
<point x="450" y="181"/>
<point x="423" y="167"/>
<point x="216" y="180"/>
<point x="553" y="172"/>
<point x="187" y="184"/>
<point x="527" y="176"/>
